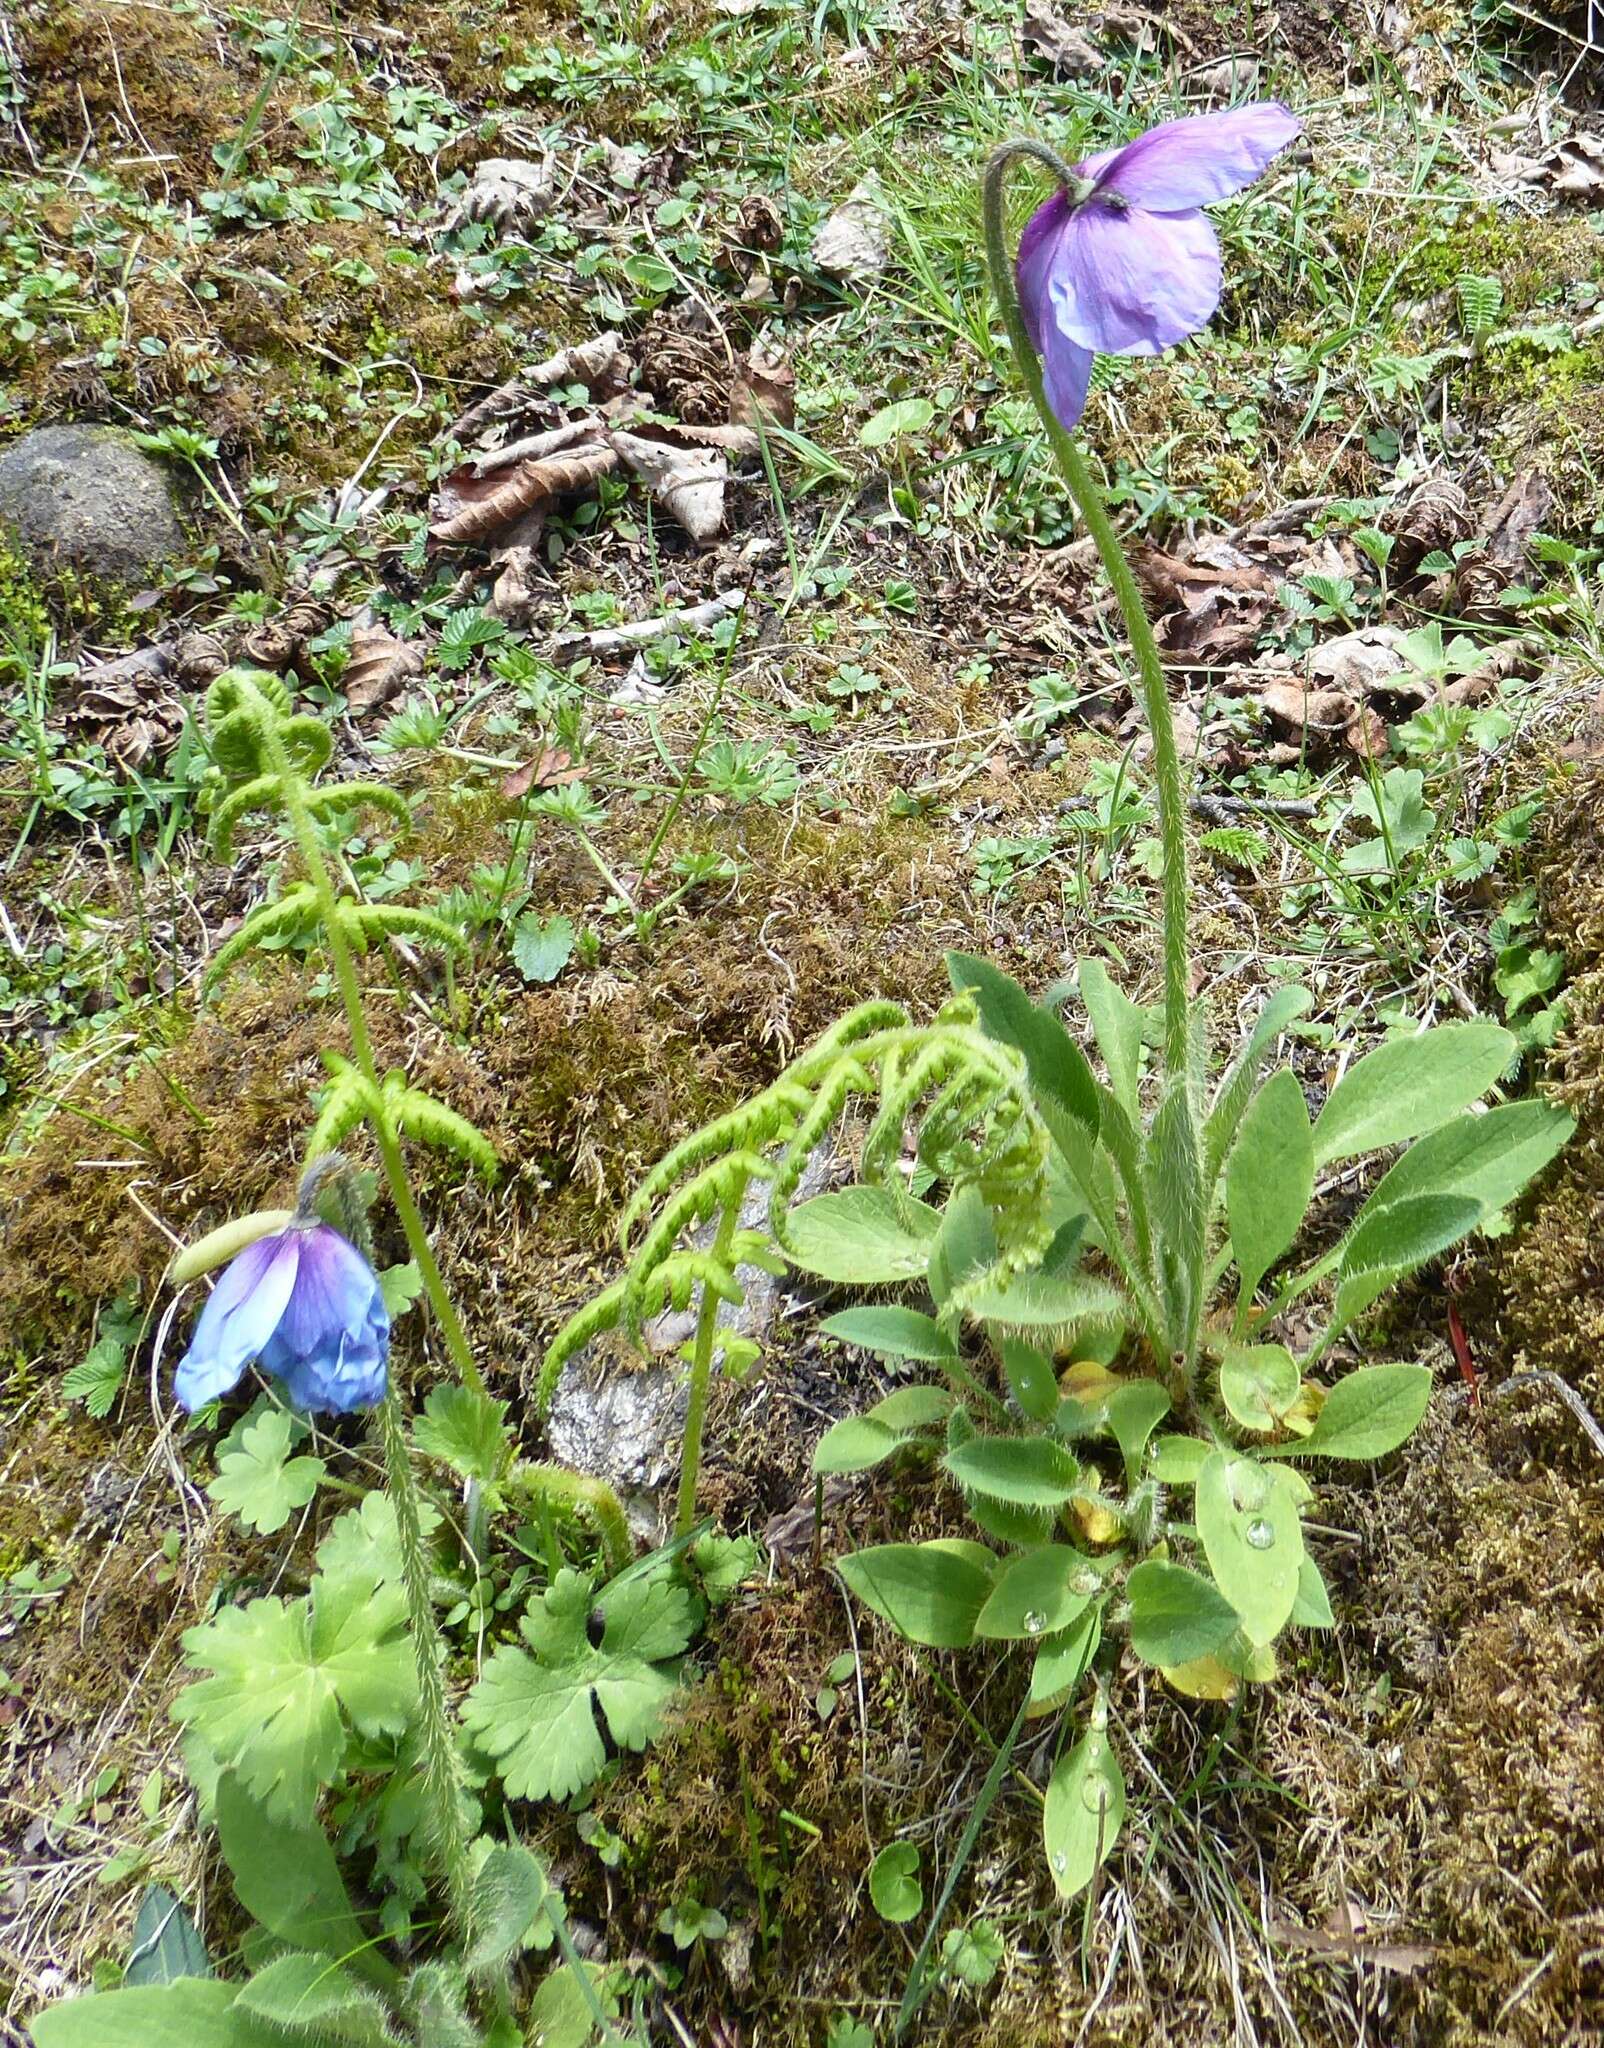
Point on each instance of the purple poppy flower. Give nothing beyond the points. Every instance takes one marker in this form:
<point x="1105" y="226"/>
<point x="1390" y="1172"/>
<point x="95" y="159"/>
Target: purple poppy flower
<point x="1127" y="263"/>
<point x="305" y="1304"/>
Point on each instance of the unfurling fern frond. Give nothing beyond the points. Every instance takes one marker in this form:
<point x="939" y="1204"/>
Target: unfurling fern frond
<point x="765" y="1120"/>
<point x="363" y="922"/>
<point x="261" y="793"/>
<point x="604" y="1312"/>
<point x="335" y="797"/>
<point x="293" y="916"/>
<point x="348" y="1100"/>
<point x="419" y="1115"/>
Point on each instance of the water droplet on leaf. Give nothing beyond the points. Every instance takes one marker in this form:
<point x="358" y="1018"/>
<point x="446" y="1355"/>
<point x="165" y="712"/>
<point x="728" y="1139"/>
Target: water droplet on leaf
<point x="1094" y="1795"/>
<point x="1035" y="1623"/>
<point x="1260" y="1535"/>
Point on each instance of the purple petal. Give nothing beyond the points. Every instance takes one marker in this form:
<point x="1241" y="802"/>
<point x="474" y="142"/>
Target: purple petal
<point x="1067" y="374"/>
<point x="238" y="1321"/>
<point x="333" y="1291"/>
<point x="1134" y="283"/>
<point x="1066" y="367"/>
<point x="1038" y="248"/>
<point x="1184" y="164"/>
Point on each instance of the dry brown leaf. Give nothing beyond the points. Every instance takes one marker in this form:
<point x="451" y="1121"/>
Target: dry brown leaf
<point x="1322" y="718"/>
<point x="1499" y="556"/>
<point x="1065" y="49"/>
<point x="507" y="191"/>
<point x="854" y="242"/>
<point x="126" y="706"/>
<point x="515" y="596"/>
<point x="548" y="769"/>
<point x="1347" y="1936"/>
<point x="1430" y="521"/>
<point x="379" y="668"/>
<point x="757" y="231"/>
<point x="688" y="482"/>
<point x="690" y="374"/>
<point x="478" y="508"/>
<point x="765" y="390"/>
<point x="279" y="643"/>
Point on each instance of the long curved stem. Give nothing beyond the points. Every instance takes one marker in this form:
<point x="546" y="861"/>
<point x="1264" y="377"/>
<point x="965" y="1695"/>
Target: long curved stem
<point x="1083" y="488"/>
<point x="304" y="828"/>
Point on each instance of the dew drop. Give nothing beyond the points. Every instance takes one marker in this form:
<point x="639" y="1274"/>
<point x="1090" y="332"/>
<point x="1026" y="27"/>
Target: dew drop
<point x="1035" y="1623"/>
<point x="1260" y="1535"/>
<point x="1094" y="1796"/>
<point x="1061" y="1861"/>
<point x="1087" y="1582"/>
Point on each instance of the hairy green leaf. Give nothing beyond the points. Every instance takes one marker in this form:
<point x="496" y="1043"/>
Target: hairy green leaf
<point x="1269" y="1178"/>
<point x="931" y="1593"/>
<point x="1032" y="1472"/>
<point x="1038" y="1593"/>
<point x="1410" y="1085"/>
<point x="1248" y="1526"/>
<point x="1176" y="1614"/>
<point x="864" y="1236"/>
<point x="1366" y="1414"/>
<point x="892" y="1333"/>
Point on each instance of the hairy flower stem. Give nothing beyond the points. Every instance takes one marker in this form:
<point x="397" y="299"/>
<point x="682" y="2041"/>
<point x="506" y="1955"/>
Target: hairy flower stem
<point x="304" y="829"/>
<point x="702" y="1375"/>
<point x="440" y="1778"/>
<point x="1083" y="488"/>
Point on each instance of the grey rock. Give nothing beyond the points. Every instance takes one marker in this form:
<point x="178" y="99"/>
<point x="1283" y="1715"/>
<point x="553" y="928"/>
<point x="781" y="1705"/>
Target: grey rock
<point x="621" y="1426"/>
<point x="87" y="496"/>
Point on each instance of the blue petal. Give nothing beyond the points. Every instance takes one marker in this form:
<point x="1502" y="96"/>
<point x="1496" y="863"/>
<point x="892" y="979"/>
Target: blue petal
<point x="239" y="1319"/>
<point x="332" y="1343"/>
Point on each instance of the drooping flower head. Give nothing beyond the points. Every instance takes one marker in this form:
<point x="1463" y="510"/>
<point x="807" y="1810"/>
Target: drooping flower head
<point x="307" y="1306"/>
<point x="1125" y="262"/>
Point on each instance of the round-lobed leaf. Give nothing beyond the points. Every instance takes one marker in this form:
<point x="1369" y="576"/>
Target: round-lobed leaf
<point x="1247" y="1522"/>
<point x="894" y="1882"/>
<point x="1259" y="1383"/>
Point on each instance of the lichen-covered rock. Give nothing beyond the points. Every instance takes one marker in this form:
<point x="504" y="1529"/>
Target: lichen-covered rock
<point x="87" y="497"/>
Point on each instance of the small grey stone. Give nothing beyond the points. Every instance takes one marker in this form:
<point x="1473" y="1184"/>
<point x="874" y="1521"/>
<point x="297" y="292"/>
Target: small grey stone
<point x="87" y="496"/>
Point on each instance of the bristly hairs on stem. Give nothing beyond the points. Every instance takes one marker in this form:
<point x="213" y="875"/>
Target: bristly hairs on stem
<point x="1088" y="499"/>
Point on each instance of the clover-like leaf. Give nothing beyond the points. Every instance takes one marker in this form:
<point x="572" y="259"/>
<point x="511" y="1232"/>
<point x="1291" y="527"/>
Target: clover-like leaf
<point x="290" y="1679"/>
<point x="259" y="1481"/>
<point x="535" y="1715"/>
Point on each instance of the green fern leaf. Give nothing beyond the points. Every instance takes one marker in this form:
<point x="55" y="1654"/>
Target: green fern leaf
<point x="261" y="793"/>
<point x="346" y="1102"/>
<point x="335" y="797"/>
<point x="293" y="916"/>
<point x="421" y="1117"/>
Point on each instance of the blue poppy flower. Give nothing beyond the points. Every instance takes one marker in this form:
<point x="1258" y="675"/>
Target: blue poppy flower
<point x="308" y="1307"/>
